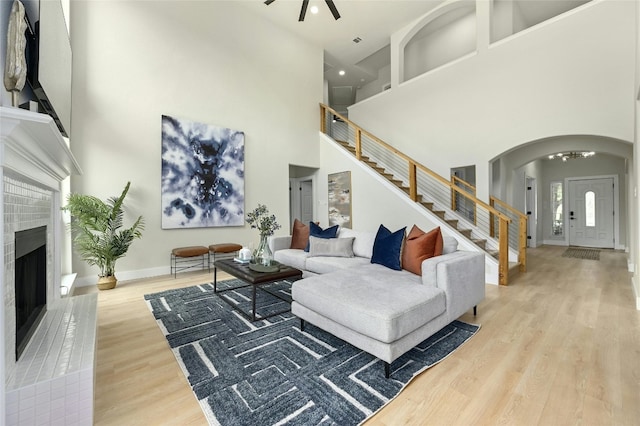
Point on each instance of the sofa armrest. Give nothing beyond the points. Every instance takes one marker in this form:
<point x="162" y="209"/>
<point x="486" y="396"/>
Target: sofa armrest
<point x="279" y="242"/>
<point x="462" y="277"/>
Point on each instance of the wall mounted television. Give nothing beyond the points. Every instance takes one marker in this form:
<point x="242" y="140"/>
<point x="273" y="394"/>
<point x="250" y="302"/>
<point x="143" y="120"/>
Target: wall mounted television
<point x="49" y="60"/>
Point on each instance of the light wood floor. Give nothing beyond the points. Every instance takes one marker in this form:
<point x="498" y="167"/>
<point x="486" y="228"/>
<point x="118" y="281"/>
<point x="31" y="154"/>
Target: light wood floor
<point x="560" y="345"/>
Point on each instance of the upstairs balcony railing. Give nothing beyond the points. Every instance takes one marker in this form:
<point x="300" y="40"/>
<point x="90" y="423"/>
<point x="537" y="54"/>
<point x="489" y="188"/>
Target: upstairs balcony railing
<point x="455" y="197"/>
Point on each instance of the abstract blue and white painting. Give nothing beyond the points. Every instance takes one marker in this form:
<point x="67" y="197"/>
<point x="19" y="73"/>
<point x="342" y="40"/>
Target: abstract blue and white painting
<point x="202" y="175"/>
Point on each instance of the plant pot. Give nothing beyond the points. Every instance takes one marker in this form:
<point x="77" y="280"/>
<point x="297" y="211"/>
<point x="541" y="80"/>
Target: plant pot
<point x="107" y="283"/>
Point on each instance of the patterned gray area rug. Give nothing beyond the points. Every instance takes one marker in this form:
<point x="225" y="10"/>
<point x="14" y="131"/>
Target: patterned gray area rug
<point x="582" y="253"/>
<point x="269" y="372"/>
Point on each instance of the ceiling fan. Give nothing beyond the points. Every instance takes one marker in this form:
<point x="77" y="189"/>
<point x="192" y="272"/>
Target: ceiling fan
<point x="305" y="3"/>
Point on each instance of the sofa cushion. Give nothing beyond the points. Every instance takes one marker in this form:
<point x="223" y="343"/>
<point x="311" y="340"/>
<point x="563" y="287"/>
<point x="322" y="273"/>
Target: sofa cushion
<point x="317" y="231"/>
<point x="449" y="245"/>
<point x="387" y="248"/>
<point x="363" y="243"/>
<point x="419" y="246"/>
<point x="292" y="257"/>
<point x="371" y="299"/>
<point x="324" y="265"/>
<point x="334" y="247"/>
<point x="300" y="235"/>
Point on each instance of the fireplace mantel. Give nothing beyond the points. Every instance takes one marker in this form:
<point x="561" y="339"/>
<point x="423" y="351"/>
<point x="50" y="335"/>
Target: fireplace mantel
<point x="33" y="147"/>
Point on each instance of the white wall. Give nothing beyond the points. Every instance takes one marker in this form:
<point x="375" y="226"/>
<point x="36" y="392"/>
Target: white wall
<point x="370" y="208"/>
<point x="374" y="87"/>
<point x="572" y="75"/>
<point x="634" y="229"/>
<point x="429" y="49"/>
<point x="212" y="62"/>
<point x="507" y="19"/>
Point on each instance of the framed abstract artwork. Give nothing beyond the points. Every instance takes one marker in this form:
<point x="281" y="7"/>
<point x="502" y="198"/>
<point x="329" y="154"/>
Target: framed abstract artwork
<point x="202" y="175"/>
<point x="340" y="199"/>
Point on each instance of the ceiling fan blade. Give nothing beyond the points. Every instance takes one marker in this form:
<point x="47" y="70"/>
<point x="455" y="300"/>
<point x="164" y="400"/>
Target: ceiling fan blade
<point x="268" y="2"/>
<point x="333" y="9"/>
<point x="303" y="11"/>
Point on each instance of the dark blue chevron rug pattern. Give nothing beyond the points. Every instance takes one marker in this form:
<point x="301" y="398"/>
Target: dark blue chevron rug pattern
<point x="268" y="372"/>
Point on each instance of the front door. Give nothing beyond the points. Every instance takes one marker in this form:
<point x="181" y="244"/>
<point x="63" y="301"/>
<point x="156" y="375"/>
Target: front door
<point x="591" y="212"/>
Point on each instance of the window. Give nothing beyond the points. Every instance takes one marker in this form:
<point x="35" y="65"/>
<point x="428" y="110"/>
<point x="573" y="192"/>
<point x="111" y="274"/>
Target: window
<point x="557" y="220"/>
<point x="590" y="208"/>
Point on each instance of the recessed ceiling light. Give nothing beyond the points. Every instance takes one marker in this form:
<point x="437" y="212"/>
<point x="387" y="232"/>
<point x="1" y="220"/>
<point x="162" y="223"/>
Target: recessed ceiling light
<point x="341" y="72"/>
<point x="314" y="9"/>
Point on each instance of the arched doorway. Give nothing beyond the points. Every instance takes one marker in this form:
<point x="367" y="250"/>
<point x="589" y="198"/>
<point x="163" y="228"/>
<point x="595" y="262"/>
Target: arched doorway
<point x="559" y="176"/>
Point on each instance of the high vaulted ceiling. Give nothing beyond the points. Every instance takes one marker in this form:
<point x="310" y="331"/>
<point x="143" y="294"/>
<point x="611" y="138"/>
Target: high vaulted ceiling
<point x="373" y="22"/>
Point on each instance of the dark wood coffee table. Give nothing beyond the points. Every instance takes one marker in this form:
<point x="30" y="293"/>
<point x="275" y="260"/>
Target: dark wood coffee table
<point x="255" y="280"/>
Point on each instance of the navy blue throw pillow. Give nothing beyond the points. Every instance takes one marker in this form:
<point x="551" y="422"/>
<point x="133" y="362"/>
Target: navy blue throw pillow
<point x="316" y="231"/>
<point x="387" y="248"/>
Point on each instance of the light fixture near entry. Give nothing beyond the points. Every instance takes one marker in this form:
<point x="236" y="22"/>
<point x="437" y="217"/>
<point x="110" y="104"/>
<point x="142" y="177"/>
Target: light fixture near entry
<point x="572" y="155"/>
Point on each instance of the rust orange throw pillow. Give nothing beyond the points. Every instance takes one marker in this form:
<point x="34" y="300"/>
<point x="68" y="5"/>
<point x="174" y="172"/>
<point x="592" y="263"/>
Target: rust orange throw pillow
<point x="300" y="235"/>
<point x="420" y="246"/>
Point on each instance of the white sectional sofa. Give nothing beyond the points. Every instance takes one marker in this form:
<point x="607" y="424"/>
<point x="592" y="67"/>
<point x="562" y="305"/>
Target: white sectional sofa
<point x="382" y="311"/>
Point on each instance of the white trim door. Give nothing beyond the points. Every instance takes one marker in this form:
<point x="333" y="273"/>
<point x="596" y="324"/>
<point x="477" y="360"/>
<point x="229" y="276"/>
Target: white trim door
<point x="592" y="212"/>
<point x="532" y="211"/>
<point x="301" y="199"/>
<point x="306" y="201"/>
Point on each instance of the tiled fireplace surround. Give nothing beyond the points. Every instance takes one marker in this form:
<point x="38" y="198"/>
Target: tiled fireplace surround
<point x="26" y="206"/>
<point x="52" y="382"/>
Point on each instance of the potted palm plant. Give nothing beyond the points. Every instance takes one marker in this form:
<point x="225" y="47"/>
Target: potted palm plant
<point x="98" y="234"/>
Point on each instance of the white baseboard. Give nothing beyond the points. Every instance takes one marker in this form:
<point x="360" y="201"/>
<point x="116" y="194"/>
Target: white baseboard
<point x="635" y="285"/>
<point x="126" y="275"/>
<point x="564" y="243"/>
<point x="554" y="243"/>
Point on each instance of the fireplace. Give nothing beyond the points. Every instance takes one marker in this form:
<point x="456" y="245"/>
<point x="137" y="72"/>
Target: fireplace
<point x="30" y="283"/>
<point x="58" y="370"/>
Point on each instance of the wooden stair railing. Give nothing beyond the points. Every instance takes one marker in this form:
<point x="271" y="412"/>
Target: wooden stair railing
<point x="456" y="187"/>
<point x="456" y="181"/>
<point x="522" y="230"/>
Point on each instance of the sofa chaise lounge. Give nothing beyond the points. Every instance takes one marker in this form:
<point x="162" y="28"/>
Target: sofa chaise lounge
<point x="380" y="310"/>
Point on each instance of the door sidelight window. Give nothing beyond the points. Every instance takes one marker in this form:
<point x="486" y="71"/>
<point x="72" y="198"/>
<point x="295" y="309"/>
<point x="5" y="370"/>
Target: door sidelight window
<point x="590" y="208"/>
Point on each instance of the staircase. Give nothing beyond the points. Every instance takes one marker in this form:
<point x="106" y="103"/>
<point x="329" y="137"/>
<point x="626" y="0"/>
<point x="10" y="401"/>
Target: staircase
<point x="429" y="205"/>
<point x="489" y="225"/>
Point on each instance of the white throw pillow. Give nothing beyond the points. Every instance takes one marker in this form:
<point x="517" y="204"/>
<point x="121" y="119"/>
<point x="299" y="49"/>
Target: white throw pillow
<point x="450" y="245"/>
<point x="333" y="247"/>
<point x="363" y="244"/>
